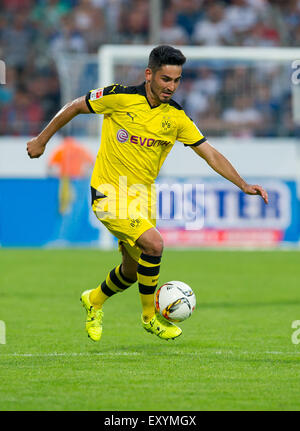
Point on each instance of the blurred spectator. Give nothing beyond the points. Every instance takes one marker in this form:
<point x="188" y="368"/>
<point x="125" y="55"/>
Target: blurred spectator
<point x="7" y="91"/>
<point x="211" y="119"/>
<point x="243" y="119"/>
<point x="207" y="82"/>
<point x="90" y="23"/>
<point x="171" y="32"/>
<point x="262" y="35"/>
<point x="287" y="126"/>
<point x="68" y="39"/>
<point x="49" y="13"/>
<point x="111" y="10"/>
<point x="268" y="109"/>
<point x="214" y="29"/>
<point x="16" y="41"/>
<point x="21" y="117"/>
<point x="70" y="160"/>
<point x="52" y="99"/>
<point x="237" y="80"/>
<point x="195" y="101"/>
<point x="291" y="17"/>
<point x="241" y="17"/>
<point x="134" y="22"/>
<point x="83" y="15"/>
<point x="259" y="5"/>
<point x="45" y="89"/>
<point x="295" y="40"/>
<point x="17" y="5"/>
<point x="189" y="13"/>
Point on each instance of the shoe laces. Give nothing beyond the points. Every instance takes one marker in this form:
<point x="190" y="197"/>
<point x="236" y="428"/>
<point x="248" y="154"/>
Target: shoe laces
<point x="96" y="314"/>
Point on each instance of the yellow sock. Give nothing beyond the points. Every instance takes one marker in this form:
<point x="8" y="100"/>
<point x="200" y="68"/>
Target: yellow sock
<point x="147" y="306"/>
<point x="115" y="282"/>
<point x="97" y="297"/>
<point x="147" y="275"/>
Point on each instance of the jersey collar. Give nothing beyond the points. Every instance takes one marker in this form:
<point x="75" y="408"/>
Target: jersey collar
<point x="141" y="89"/>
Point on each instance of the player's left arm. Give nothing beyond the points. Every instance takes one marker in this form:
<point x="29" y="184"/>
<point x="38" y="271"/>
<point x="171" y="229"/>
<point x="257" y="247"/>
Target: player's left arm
<point x="222" y="166"/>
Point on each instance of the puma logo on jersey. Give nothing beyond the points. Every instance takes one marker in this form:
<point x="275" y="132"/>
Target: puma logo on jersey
<point x="131" y="115"/>
<point x="113" y="89"/>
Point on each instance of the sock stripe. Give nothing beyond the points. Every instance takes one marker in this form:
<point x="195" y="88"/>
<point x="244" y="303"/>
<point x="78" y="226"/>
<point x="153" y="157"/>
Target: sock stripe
<point x="114" y="283"/>
<point x="148" y="281"/>
<point x="146" y="290"/>
<point x="124" y="279"/>
<point x="148" y="274"/>
<point x="150" y="259"/>
<point x="106" y="290"/>
<point x="147" y="264"/>
<point x="149" y="271"/>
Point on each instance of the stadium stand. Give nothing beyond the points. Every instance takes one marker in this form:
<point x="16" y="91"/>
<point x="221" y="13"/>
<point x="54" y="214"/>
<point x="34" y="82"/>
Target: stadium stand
<point x="31" y="32"/>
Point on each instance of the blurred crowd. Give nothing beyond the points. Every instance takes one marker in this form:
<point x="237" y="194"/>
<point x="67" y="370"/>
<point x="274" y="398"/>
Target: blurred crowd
<point x="225" y="100"/>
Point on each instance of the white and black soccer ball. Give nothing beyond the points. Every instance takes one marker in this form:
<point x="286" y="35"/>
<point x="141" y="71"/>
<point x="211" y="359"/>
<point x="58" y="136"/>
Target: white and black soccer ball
<point x="175" y="301"/>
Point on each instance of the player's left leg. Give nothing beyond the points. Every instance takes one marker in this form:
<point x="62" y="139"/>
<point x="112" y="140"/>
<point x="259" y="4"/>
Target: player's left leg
<point x="151" y="245"/>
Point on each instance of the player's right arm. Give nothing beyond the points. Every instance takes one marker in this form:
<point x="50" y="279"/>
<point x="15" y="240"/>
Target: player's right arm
<point x="36" y="146"/>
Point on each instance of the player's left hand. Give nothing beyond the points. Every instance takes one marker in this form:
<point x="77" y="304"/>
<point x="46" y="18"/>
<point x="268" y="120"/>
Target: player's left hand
<point x="250" y="189"/>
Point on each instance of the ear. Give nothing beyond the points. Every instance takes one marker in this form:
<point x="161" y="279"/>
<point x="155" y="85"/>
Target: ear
<point x="148" y="74"/>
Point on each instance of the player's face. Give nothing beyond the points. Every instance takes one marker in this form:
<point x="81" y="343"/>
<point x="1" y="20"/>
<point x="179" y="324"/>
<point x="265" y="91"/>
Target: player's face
<point x="164" y="82"/>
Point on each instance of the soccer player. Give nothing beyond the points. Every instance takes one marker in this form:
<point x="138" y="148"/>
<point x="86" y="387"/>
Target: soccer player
<point x="141" y="124"/>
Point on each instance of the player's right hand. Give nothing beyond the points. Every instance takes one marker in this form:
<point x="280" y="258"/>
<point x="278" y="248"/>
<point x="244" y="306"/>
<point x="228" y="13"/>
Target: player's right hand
<point x="35" y="148"/>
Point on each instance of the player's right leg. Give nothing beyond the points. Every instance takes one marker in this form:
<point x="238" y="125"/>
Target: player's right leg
<point x="93" y="323"/>
<point x="118" y="280"/>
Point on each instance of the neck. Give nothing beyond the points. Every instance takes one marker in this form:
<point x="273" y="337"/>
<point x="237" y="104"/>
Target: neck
<point x="153" y="100"/>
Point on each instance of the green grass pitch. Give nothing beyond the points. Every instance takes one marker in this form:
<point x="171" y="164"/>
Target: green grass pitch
<point x="236" y="351"/>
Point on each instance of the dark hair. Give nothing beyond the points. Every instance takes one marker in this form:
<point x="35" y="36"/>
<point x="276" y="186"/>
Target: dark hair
<point x="165" y="54"/>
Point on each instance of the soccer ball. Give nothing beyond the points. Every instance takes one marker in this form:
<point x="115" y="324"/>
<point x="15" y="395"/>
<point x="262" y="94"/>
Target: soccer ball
<point x="175" y="301"/>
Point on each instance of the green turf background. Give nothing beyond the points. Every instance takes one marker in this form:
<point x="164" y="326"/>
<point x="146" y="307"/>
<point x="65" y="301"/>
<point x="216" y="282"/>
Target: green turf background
<point x="235" y="353"/>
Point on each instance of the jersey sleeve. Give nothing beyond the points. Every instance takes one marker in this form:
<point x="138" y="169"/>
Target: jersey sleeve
<point x="103" y="100"/>
<point x="188" y="133"/>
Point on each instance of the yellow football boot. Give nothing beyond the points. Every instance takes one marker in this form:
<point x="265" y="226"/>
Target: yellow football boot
<point x="93" y="324"/>
<point x="161" y="327"/>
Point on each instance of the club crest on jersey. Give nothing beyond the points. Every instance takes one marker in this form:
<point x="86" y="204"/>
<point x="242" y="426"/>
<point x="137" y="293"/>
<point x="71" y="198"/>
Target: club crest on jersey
<point x="122" y="135"/>
<point x="96" y="94"/>
<point x="135" y="222"/>
<point x="165" y="124"/>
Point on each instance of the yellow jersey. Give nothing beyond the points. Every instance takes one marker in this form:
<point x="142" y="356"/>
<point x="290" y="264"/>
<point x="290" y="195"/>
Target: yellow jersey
<point x="136" y="137"/>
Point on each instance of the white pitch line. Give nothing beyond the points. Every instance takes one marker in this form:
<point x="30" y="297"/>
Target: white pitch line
<point x="55" y="354"/>
<point x="111" y="354"/>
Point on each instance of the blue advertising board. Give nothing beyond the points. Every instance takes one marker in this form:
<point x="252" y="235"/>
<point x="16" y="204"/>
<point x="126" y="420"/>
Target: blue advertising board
<point x="191" y="212"/>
